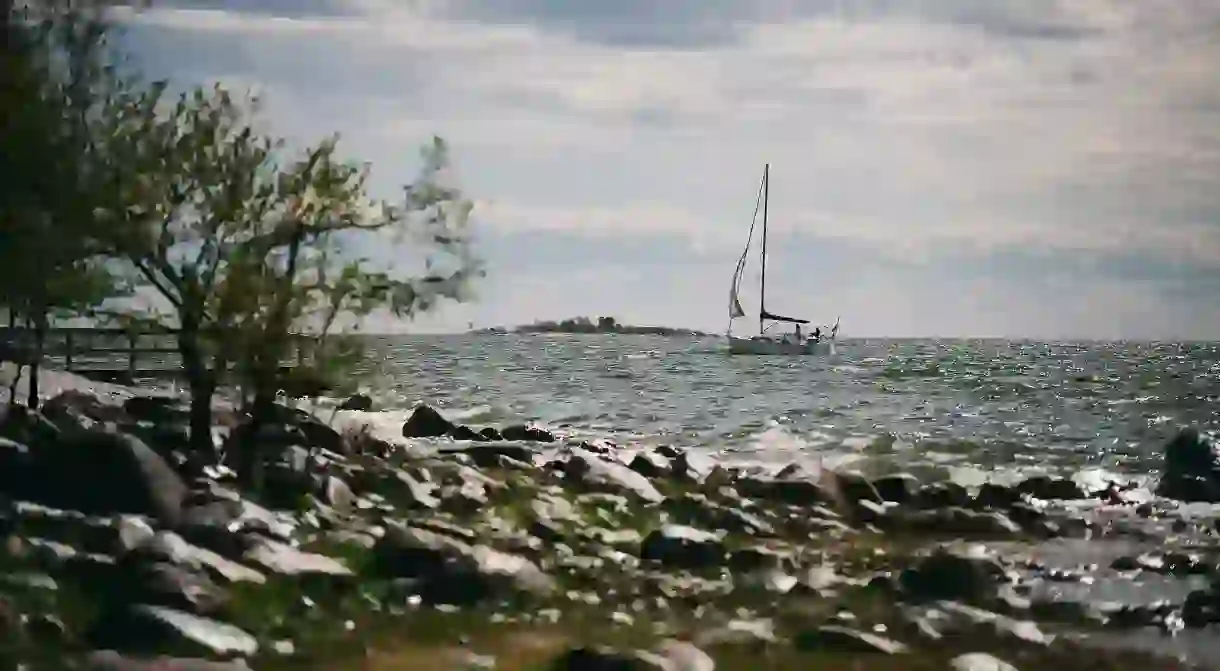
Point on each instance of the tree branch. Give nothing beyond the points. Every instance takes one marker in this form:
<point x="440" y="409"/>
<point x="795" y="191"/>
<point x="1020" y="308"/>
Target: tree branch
<point x="146" y="271"/>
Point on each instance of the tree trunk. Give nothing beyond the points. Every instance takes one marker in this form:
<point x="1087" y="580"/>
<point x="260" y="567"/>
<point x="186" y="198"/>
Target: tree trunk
<point x="39" y="324"/>
<point x="202" y="385"/>
<point x="18" y="360"/>
<point x="266" y="361"/>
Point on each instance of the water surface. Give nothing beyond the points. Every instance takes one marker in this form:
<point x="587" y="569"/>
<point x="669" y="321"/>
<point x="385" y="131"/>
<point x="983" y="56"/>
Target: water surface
<point x="972" y="408"/>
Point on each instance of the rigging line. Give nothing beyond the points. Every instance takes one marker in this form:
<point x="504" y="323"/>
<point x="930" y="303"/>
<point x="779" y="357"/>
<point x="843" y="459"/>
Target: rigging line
<point x="741" y="263"/>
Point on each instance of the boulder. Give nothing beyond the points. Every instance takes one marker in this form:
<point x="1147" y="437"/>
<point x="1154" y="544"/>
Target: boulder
<point x="157" y="409"/>
<point x="953" y="574"/>
<point x="1192" y="467"/>
<point x="426" y="422"/>
<point x="677" y="546"/>
<point x="897" y="488"/>
<point x="106" y="472"/>
<point x="525" y="433"/>
<point x="453" y="571"/>
<point x="23" y="425"/>
<point x="74" y="409"/>
<point x="148" y="627"/>
<point x="597" y="474"/>
<point x="1050" y="489"/>
<point x="359" y="402"/>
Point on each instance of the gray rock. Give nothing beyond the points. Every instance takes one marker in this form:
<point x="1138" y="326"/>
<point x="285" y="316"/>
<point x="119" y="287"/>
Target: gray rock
<point x="337" y="493"/>
<point x="157" y="409"/>
<point x="15" y="464"/>
<point x="650" y="465"/>
<point x="426" y="422"/>
<point x="589" y="470"/>
<point x="955" y="521"/>
<point x="698" y="509"/>
<point x="417" y="494"/>
<point x="74" y="409"/>
<point x="132" y="533"/>
<point x="683" y="547"/>
<point x="1022" y="630"/>
<point x="1192" y="467"/>
<point x="144" y="626"/>
<point x="605" y="659"/>
<point x="845" y="639"/>
<point x="165" y="584"/>
<point x="358" y="402"/>
<point x="759" y="558"/>
<point x="1048" y="488"/>
<point x="452" y="571"/>
<point x="106" y="472"/>
<point x="979" y="661"/>
<point x="855" y="488"/>
<point x="942" y="495"/>
<point x="992" y="495"/>
<point x="950" y="573"/>
<point x="683" y="656"/>
<point x="285" y="560"/>
<point x="488" y="455"/>
<point x="897" y="488"/>
<point x="527" y="433"/>
<point x="171" y="548"/>
<point x="109" y="660"/>
<point x="791" y="489"/>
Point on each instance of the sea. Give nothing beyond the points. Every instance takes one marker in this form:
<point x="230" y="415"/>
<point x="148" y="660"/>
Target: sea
<point x="968" y="410"/>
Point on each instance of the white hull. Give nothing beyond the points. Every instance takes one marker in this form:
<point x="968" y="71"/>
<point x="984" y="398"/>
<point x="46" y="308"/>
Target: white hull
<point x="777" y="347"/>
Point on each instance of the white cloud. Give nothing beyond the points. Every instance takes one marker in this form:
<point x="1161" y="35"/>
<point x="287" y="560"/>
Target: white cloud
<point x="642" y="218"/>
<point x="913" y="127"/>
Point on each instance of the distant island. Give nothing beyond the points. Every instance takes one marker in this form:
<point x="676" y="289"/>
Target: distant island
<point x="587" y="325"/>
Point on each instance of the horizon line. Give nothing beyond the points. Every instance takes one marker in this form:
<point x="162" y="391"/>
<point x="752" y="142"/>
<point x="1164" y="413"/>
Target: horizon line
<point x="708" y="334"/>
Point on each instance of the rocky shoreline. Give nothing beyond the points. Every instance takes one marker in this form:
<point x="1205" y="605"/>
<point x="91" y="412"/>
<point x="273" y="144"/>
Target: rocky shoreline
<point x="515" y="548"/>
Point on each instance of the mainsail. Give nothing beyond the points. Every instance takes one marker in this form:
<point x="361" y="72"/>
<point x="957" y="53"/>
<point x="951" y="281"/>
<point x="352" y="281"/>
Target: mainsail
<point x="735" y="309"/>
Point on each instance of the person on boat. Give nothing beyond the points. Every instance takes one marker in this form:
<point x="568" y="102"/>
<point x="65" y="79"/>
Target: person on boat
<point x="798" y="333"/>
<point x="817" y="333"/>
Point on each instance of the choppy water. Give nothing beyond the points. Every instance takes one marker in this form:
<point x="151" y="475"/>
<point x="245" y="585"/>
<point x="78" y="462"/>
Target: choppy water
<point x="971" y="408"/>
<point x="966" y="409"/>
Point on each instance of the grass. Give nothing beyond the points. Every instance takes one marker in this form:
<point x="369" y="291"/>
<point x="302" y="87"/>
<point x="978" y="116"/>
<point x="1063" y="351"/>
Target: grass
<point x="432" y="640"/>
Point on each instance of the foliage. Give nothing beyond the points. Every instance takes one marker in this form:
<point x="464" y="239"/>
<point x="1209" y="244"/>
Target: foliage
<point x="236" y="242"/>
<point x="54" y="74"/>
<point x="242" y="246"/>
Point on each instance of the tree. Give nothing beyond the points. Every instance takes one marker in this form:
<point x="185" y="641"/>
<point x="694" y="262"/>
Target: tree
<point x="53" y="73"/>
<point x="241" y="246"/>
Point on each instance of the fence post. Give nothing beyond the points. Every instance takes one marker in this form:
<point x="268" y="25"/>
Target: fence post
<point x="131" y="355"/>
<point x="68" y="350"/>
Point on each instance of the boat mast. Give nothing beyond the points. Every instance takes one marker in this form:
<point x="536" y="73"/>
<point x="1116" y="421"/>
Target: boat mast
<point x="762" y="289"/>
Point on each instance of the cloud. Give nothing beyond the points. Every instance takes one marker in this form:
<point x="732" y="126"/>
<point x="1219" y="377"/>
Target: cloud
<point x="920" y="133"/>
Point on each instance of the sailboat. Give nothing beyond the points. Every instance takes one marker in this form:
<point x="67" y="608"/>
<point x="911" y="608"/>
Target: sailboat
<point x="790" y="344"/>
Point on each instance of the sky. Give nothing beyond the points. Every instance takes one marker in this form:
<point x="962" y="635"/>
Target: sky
<point x="1012" y="168"/>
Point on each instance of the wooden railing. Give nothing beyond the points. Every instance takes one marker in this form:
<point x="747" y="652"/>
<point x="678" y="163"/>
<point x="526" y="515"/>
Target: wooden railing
<point x="112" y="352"/>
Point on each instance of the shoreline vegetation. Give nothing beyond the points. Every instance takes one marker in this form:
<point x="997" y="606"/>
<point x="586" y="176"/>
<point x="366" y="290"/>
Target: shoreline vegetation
<point x="602" y="325"/>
